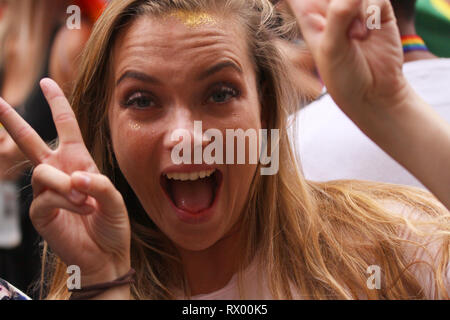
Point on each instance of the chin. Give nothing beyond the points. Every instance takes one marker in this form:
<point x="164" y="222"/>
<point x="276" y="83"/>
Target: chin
<point x="195" y="241"/>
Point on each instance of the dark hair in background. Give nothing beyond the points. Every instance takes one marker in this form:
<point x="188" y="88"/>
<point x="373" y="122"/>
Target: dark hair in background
<point x="405" y="9"/>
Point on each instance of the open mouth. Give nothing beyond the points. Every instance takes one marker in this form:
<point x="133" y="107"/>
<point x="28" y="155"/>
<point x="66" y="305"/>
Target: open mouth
<point x="192" y="192"/>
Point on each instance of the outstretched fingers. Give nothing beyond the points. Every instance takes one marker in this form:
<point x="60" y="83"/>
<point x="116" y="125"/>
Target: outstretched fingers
<point x="21" y="132"/>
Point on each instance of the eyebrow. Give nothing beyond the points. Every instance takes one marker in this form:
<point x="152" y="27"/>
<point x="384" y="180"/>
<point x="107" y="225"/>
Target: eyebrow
<point x="138" y="76"/>
<point x="219" y="67"/>
<point x="149" y="79"/>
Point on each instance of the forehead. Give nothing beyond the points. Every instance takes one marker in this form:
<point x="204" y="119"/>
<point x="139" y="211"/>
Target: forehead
<point x="175" y="42"/>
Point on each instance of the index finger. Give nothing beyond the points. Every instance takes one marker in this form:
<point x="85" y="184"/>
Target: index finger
<point x="21" y="132"/>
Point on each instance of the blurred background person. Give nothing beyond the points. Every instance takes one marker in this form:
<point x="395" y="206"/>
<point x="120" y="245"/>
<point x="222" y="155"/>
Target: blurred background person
<point x="333" y="148"/>
<point x="34" y="43"/>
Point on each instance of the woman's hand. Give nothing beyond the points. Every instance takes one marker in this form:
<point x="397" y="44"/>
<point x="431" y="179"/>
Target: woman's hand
<point x="77" y="210"/>
<point x="362" y="70"/>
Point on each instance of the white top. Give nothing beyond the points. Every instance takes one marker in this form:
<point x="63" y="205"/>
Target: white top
<point x="255" y="288"/>
<point x="332" y="147"/>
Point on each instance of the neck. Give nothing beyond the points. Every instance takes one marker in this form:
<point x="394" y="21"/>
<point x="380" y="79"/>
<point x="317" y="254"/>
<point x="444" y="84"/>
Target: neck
<point x="211" y="269"/>
<point x="409" y="29"/>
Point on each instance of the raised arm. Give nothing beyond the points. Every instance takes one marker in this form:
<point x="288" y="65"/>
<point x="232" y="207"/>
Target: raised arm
<point x="362" y="70"/>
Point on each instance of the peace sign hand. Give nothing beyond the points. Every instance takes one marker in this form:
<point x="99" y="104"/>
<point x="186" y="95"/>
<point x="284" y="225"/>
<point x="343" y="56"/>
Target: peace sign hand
<point x="76" y="210"/>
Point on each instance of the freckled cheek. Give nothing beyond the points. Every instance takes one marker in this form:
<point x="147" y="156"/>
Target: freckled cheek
<point x="239" y="177"/>
<point x="135" y="149"/>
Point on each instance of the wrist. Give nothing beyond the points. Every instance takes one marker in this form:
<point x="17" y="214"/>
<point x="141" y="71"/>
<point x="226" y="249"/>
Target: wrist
<point x="93" y="287"/>
<point x="393" y="102"/>
<point x="381" y="114"/>
<point x="106" y="274"/>
<point x="122" y="292"/>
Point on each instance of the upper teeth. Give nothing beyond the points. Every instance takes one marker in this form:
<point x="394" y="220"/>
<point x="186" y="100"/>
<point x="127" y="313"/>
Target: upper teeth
<point x="192" y="176"/>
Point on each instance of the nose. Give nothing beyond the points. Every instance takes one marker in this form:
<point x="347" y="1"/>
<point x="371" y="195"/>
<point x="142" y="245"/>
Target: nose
<point x="184" y="130"/>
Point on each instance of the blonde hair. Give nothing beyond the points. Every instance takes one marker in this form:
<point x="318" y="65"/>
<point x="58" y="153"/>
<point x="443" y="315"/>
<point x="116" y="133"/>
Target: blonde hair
<point x="314" y="238"/>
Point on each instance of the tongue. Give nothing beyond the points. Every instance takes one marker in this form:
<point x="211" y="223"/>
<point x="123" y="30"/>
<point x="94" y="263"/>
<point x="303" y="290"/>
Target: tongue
<point x="193" y="196"/>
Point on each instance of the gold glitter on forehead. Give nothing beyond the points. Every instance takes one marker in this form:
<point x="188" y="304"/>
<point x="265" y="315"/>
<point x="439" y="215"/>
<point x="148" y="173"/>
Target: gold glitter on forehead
<point x="193" y="18"/>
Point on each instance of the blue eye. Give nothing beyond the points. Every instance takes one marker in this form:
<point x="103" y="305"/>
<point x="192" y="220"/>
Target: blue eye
<point x="223" y="95"/>
<point x="140" y="100"/>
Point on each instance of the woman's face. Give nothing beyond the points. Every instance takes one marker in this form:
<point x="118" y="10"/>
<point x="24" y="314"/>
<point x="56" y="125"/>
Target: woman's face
<point x="168" y="73"/>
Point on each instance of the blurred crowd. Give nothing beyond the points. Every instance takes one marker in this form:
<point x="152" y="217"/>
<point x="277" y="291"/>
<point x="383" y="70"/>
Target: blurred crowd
<point x="35" y="42"/>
